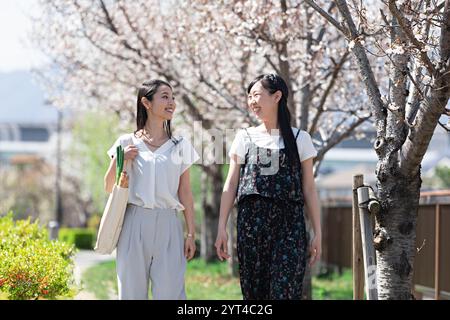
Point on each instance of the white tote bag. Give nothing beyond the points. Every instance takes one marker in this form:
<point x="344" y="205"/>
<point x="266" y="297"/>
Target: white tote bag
<point x="113" y="215"/>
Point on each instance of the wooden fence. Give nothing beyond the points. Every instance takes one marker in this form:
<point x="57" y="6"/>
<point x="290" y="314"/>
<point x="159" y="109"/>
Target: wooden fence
<point x="432" y="263"/>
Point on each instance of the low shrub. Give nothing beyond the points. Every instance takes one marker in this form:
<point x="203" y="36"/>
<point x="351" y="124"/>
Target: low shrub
<point x="81" y="238"/>
<point x="31" y="265"/>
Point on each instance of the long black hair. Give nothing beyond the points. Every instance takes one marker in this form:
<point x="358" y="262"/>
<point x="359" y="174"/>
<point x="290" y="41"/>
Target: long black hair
<point x="148" y="90"/>
<point x="273" y="83"/>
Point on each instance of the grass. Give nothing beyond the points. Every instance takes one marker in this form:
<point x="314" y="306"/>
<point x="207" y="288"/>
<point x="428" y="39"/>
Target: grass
<point x="203" y="281"/>
<point x="211" y="281"/>
<point x="333" y="286"/>
<point x="100" y="279"/>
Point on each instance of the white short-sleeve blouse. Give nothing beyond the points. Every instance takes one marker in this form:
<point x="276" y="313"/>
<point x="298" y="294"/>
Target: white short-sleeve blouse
<point x="263" y="139"/>
<point x="154" y="176"/>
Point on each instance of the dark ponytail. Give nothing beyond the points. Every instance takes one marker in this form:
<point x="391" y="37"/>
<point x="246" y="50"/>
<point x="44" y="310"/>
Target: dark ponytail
<point x="148" y="89"/>
<point x="273" y="83"/>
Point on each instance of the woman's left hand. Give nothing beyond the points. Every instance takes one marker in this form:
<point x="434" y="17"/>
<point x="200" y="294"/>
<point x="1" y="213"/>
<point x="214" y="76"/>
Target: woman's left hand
<point x="315" y="250"/>
<point x="189" y="248"/>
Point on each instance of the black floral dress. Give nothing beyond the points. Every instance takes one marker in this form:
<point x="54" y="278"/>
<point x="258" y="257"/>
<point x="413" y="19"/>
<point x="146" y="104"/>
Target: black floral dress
<point x="271" y="236"/>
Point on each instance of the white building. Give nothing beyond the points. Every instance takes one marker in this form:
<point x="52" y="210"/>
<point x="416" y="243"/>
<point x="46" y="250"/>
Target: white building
<point x="27" y="123"/>
<point x="358" y="156"/>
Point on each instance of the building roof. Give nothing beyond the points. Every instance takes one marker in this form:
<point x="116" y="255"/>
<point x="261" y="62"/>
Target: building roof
<point x="343" y="179"/>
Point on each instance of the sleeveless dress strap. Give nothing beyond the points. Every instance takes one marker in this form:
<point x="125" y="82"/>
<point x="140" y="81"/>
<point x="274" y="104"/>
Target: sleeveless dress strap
<point x="298" y="132"/>
<point x="248" y="135"/>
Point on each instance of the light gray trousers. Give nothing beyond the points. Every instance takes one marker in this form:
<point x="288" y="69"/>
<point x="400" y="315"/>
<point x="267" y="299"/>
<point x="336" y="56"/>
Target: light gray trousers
<point x="151" y="248"/>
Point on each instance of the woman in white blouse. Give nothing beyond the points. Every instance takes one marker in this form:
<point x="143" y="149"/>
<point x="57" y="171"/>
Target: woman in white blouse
<point x="271" y="175"/>
<point x="151" y="245"/>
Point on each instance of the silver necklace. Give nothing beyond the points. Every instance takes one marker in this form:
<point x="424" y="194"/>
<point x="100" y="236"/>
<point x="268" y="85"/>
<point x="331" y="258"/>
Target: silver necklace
<point x="147" y="140"/>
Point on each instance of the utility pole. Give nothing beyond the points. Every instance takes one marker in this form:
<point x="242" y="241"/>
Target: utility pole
<point x="59" y="211"/>
<point x="54" y="225"/>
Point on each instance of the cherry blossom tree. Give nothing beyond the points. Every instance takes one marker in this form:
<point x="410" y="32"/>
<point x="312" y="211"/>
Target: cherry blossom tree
<point x="414" y="42"/>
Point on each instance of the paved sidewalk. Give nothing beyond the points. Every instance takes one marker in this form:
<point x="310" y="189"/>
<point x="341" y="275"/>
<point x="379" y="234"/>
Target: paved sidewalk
<point x="85" y="259"/>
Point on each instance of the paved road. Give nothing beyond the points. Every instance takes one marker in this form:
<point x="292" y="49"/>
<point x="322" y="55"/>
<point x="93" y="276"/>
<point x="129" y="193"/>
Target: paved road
<point x="85" y="259"/>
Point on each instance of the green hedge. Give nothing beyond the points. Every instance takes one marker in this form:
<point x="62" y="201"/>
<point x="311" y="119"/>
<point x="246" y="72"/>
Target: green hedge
<point x="31" y="265"/>
<point x="81" y="238"/>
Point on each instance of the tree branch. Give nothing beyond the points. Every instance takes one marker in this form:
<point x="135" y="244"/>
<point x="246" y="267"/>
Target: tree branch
<point x="404" y="23"/>
<point x="228" y="99"/>
<point x="430" y="111"/>
<point x="414" y="90"/>
<point x="115" y="30"/>
<point x="327" y="91"/>
<point x="133" y="28"/>
<point x="445" y="35"/>
<point x="195" y="113"/>
<point x="337" y="138"/>
<point x="328" y="17"/>
<point x="373" y="91"/>
<point x="272" y="64"/>
<point x="396" y="129"/>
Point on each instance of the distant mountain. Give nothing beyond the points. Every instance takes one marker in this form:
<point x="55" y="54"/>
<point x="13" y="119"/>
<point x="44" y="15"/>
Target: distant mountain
<point x="22" y="100"/>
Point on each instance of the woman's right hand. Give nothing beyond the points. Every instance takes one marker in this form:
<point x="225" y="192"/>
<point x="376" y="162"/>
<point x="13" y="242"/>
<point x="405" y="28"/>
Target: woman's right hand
<point x="130" y="152"/>
<point x="222" y="245"/>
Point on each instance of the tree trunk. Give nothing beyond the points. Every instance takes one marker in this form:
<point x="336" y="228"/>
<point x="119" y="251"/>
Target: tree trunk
<point x="232" y="243"/>
<point x="305" y="102"/>
<point x="400" y="156"/>
<point x="285" y="68"/>
<point x="395" y="234"/>
<point x="212" y="179"/>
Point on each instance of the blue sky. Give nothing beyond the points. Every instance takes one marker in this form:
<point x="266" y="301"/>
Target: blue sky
<point x="16" y="53"/>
